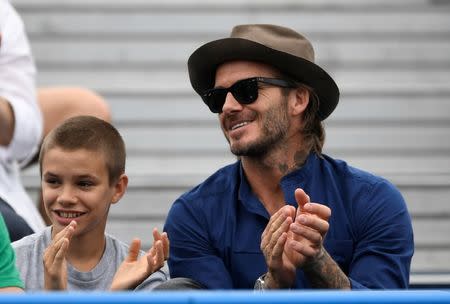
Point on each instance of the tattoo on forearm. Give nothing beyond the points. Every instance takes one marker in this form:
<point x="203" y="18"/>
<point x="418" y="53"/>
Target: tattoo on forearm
<point x="326" y="274"/>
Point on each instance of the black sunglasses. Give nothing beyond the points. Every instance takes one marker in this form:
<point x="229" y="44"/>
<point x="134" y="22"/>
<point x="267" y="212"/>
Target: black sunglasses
<point x="245" y="91"/>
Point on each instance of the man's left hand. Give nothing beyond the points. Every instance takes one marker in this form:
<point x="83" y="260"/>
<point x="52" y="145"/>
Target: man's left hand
<point x="309" y="228"/>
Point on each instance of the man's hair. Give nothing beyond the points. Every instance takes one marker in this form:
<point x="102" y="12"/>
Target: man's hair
<point x="90" y="133"/>
<point x="313" y="131"/>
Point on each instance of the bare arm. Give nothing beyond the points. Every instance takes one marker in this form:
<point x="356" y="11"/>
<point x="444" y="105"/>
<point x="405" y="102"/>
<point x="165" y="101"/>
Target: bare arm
<point x="11" y="289"/>
<point x="6" y="122"/>
<point x="324" y="273"/>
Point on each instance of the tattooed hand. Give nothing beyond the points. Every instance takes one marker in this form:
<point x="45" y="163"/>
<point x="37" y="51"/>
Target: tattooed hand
<point x="308" y="229"/>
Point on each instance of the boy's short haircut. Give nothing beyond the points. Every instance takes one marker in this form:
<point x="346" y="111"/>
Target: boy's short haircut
<point x="90" y="133"/>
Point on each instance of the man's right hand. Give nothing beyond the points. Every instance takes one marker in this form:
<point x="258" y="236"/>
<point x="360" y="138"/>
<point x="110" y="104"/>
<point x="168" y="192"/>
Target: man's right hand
<point x="280" y="259"/>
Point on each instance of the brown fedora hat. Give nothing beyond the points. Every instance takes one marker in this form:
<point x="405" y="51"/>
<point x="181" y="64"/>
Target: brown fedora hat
<point x="280" y="47"/>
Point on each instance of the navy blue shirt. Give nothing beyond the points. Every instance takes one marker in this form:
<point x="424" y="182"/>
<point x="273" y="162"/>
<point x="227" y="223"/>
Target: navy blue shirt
<point x="215" y="228"/>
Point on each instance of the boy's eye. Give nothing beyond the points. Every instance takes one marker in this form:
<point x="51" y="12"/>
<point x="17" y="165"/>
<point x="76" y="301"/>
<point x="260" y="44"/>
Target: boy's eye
<point x="51" y="181"/>
<point x="85" y="184"/>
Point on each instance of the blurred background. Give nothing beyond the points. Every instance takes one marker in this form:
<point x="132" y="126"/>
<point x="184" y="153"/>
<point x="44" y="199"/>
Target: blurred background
<point x="391" y="60"/>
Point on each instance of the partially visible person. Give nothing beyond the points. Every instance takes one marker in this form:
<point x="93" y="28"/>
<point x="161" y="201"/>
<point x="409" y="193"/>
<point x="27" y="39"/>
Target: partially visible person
<point x="20" y="124"/>
<point x="9" y="276"/>
<point x="285" y="215"/>
<point x="26" y="116"/>
<point x="82" y="167"/>
<point x="60" y="103"/>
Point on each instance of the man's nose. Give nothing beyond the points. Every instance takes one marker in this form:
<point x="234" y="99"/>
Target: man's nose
<point x="231" y="104"/>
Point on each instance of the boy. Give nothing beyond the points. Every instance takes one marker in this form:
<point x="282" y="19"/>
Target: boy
<point x="82" y="167"/>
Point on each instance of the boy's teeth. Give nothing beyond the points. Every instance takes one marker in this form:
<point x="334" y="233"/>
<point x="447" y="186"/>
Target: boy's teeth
<point x="69" y="214"/>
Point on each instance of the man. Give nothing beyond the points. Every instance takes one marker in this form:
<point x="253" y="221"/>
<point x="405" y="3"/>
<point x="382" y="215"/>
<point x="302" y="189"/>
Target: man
<point x="284" y="215"/>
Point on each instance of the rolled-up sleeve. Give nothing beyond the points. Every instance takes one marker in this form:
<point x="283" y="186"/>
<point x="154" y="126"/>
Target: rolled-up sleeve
<point x="17" y="86"/>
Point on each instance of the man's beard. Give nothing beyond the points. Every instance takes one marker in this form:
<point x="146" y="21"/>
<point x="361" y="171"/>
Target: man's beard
<point x="275" y="126"/>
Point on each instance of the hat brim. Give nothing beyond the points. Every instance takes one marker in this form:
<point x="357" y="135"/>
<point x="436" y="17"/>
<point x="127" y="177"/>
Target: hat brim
<point x="202" y="65"/>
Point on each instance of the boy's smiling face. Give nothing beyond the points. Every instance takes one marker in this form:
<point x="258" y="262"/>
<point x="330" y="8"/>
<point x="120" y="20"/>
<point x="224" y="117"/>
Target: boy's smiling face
<point x="76" y="186"/>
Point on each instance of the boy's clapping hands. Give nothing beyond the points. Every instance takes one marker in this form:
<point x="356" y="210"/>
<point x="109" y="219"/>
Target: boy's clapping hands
<point x="55" y="265"/>
<point x="134" y="269"/>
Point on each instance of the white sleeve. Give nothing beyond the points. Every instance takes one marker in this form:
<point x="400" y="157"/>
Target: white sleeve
<point x="17" y="85"/>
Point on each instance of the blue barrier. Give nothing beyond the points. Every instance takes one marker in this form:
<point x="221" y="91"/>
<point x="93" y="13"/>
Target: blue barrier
<point x="229" y="297"/>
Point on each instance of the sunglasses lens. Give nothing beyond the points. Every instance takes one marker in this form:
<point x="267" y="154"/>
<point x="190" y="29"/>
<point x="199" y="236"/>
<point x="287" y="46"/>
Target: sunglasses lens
<point x="245" y="91"/>
<point x="215" y="99"/>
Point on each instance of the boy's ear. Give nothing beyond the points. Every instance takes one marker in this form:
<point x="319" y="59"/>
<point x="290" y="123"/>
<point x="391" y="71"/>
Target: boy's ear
<point x="119" y="188"/>
<point x="301" y="101"/>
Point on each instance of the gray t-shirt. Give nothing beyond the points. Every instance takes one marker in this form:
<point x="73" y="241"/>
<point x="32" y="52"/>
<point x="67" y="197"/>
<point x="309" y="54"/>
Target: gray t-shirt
<point x="29" y="260"/>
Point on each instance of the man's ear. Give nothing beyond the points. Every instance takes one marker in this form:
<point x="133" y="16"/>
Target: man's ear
<point x="119" y="188"/>
<point x="301" y="101"/>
